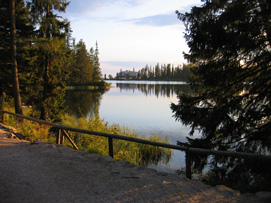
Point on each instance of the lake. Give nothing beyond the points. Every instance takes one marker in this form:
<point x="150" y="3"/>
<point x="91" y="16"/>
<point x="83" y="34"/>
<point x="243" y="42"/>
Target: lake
<point x="140" y="105"/>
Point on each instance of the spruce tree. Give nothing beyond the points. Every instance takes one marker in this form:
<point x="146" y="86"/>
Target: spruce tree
<point x="13" y="47"/>
<point x="52" y="32"/>
<point x="230" y="50"/>
<point x="97" y="73"/>
<point x="83" y="72"/>
<point x="24" y="37"/>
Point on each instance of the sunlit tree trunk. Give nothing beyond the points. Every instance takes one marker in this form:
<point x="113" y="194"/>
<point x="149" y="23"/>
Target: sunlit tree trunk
<point x="16" y="90"/>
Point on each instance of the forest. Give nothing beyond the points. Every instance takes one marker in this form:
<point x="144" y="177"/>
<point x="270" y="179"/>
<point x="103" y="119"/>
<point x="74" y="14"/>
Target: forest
<point x="39" y="57"/>
<point x="165" y="72"/>
<point x="159" y="72"/>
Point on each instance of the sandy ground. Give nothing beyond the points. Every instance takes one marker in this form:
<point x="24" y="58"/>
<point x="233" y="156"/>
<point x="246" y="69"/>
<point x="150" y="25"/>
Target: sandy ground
<point x="43" y="172"/>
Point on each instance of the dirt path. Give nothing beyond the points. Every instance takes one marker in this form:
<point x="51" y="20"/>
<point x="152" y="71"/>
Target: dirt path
<point x="43" y="172"/>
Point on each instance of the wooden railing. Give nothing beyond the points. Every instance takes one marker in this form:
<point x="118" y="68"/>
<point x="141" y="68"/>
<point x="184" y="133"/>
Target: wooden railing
<point x="188" y="150"/>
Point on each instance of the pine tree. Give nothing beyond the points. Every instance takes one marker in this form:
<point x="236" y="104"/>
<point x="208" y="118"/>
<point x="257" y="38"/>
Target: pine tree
<point x="97" y="73"/>
<point x="24" y="35"/>
<point x="84" y="68"/>
<point x="13" y="46"/>
<point x="229" y="45"/>
<point x="157" y="71"/>
<point x="51" y="59"/>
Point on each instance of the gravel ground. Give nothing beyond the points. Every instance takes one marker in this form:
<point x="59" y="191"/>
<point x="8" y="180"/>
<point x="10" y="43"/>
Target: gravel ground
<point x="44" y="172"/>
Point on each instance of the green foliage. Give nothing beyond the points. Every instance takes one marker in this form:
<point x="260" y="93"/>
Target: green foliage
<point x="51" y="57"/>
<point x="44" y="55"/>
<point x="123" y="150"/>
<point x="49" y="24"/>
<point x="229" y="45"/>
<point x="85" y="67"/>
<point x="81" y="71"/>
<point x="30" y="130"/>
<point x="48" y="81"/>
<point x="24" y="30"/>
<point x="139" y="154"/>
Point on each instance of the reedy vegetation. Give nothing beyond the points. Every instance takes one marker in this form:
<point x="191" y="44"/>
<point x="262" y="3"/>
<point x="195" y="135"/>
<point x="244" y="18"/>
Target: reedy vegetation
<point x="136" y="153"/>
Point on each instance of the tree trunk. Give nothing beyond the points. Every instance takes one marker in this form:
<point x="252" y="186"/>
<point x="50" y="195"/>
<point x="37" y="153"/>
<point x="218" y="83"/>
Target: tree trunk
<point x="46" y="76"/>
<point x="15" y="80"/>
<point x="44" y="109"/>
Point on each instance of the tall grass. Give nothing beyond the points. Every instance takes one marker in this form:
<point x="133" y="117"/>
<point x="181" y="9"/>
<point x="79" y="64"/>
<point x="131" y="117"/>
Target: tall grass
<point x="136" y="153"/>
<point x="30" y="130"/>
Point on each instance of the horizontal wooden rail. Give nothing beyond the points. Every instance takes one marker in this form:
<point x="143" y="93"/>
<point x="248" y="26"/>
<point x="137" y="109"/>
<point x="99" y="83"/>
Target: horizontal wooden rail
<point x="121" y="137"/>
<point x="110" y="137"/>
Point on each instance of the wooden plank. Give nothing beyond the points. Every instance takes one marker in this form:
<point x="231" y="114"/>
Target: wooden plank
<point x="62" y="139"/>
<point x="138" y="140"/>
<point x="58" y="136"/>
<point x="68" y="137"/>
<point x="110" y="143"/>
<point x="132" y="139"/>
<point x="2" y="104"/>
<point x="188" y="164"/>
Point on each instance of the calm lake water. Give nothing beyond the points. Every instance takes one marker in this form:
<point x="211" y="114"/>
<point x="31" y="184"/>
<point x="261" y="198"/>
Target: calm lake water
<point x="140" y="105"/>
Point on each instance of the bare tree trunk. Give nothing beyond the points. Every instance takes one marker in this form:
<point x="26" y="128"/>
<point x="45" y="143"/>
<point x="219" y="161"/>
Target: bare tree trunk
<point x="15" y="80"/>
<point x="2" y="105"/>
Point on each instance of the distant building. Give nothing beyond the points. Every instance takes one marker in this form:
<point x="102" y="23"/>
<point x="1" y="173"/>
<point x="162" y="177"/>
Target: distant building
<point x="127" y="75"/>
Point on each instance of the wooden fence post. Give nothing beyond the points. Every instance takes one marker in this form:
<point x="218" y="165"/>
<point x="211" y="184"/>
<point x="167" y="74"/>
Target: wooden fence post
<point x="188" y="164"/>
<point x="110" y="143"/>
<point x="62" y="139"/>
<point x="58" y="137"/>
<point x="2" y="104"/>
<point x="68" y="137"/>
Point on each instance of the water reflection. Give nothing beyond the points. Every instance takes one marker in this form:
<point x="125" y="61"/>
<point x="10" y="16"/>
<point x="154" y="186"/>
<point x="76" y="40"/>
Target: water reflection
<point x="87" y="102"/>
<point x="83" y="102"/>
<point x="162" y="90"/>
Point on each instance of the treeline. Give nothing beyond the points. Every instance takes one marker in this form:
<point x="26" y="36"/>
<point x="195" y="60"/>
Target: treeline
<point x="44" y="57"/>
<point x="85" y="67"/>
<point x="165" y="72"/>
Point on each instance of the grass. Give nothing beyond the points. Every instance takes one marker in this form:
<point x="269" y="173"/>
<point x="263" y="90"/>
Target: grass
<point x="136" y="153"/>
<point x="123" y="150"/>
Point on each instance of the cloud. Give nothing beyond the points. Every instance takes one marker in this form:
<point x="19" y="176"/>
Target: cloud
<point x="79" y="7"/>
<point x="100" y="8"/>
<point x="157" y="20"/>
<point x="138" y="32"/>
<point x="127" y="64"/>
<point x="109" y="69"/>
<point x="138" y="12"/>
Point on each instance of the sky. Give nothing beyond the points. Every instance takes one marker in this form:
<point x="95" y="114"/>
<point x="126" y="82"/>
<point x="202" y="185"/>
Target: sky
<point x="131" y="33"/>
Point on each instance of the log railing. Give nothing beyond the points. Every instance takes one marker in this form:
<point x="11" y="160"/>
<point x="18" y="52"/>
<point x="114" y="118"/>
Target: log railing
<point x="188" y="150"/>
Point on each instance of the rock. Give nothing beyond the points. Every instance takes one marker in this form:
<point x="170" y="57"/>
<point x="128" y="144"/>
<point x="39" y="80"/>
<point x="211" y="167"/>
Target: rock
<point x="12" y="136"/>
<point x="162" y="173"/>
